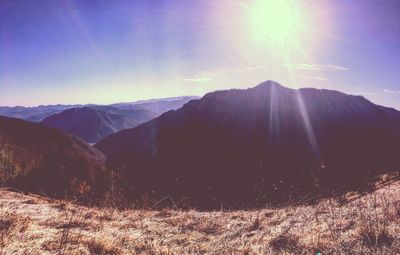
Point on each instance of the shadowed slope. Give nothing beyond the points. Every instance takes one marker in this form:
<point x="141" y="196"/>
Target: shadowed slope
<point x="267" y="143"/>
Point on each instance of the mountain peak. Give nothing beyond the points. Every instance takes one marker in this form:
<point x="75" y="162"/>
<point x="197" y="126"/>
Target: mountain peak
<point x="269" y="84"/>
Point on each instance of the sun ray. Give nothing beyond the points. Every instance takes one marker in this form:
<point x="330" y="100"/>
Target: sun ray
<point x="273" y="116"/>
<point x="307" y="124"/>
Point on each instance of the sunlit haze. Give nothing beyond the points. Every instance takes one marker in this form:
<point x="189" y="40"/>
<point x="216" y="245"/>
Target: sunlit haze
<point x="119" y="51"/>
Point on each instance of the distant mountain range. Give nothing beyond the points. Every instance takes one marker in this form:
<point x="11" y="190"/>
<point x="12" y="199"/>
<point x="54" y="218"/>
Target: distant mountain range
<point x="269" y="143"/>
<point x="157" y="106"/>
<point x="45" y="160"/>
<point x="94" y="122"/>
<point x="35" y="114"/>
<point x="39" y="113"/>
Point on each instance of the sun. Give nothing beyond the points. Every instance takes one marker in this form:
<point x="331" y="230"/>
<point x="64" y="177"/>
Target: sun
<point x="274" y="21"/>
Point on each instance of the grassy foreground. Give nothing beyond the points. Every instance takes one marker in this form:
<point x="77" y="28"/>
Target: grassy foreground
<point x="369" y="224"/>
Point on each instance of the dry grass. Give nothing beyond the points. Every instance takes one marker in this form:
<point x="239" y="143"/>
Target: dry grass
<point x="369" y="224"/>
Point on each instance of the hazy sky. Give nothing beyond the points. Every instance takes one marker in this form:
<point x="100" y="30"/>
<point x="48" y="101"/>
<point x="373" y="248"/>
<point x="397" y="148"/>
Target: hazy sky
<point x="111" y="51"/>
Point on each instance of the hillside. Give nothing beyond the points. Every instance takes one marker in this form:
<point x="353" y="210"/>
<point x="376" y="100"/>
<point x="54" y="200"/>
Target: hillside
<point x="44" y="160"/>
<point x="368" y="224"/>
<point x="244" y="148"/>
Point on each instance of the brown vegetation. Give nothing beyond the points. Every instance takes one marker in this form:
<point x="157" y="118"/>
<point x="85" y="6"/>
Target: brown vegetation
<point x="368" y="224"/>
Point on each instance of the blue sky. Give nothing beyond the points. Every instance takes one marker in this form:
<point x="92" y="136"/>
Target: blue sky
<point x="111" y="51"/>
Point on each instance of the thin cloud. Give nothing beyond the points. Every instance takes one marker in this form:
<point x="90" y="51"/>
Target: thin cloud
<point x="316" y="67"/>
<point x="197" y="79"/>
<point x="317" y="78"/>
<point x="392" y="91"/>
<point x="249" y="69"/>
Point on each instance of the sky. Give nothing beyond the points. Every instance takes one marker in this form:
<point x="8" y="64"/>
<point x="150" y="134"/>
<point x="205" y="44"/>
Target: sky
<point x="121" y="51"/>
